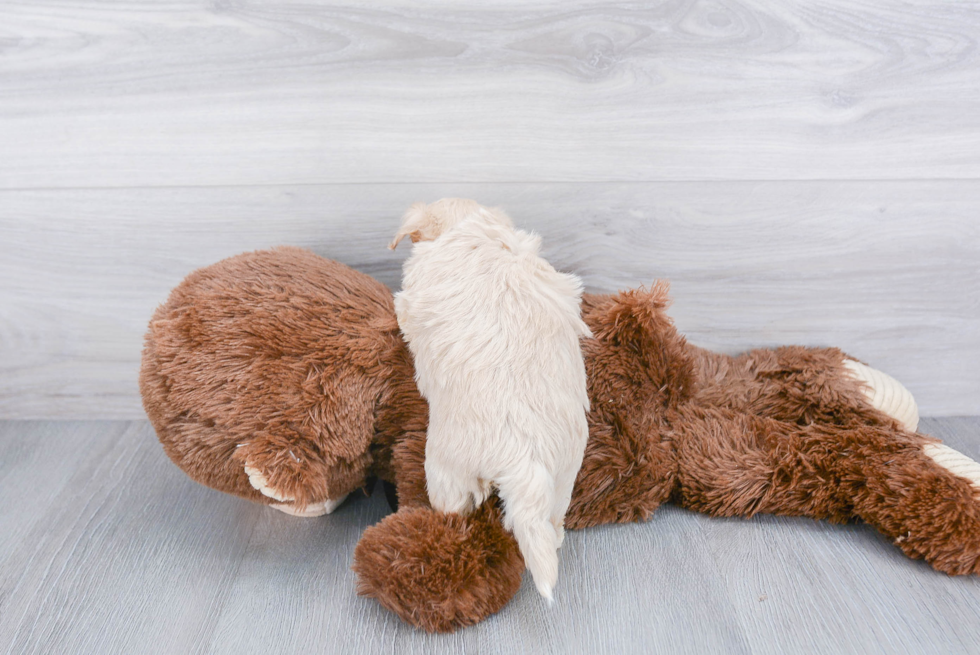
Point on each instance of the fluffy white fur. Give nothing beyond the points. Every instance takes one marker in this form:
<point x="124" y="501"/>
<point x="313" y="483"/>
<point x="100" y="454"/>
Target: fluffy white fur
<point x="494" y="330"/>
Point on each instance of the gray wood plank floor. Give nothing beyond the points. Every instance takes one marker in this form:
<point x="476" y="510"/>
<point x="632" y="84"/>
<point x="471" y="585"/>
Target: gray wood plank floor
<point x="105" y="547"/>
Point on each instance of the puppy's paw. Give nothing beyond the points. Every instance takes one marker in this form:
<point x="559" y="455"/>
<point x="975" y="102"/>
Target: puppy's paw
<point x="886" y="394"/>
<point x="258" y="480"/>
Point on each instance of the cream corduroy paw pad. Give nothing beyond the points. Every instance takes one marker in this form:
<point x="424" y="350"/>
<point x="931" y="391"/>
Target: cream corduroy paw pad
<point x="257" y="480"/>
<point x="312" y="510"/>
<point x="955" y="462"/>
<point x="886" y="394"/>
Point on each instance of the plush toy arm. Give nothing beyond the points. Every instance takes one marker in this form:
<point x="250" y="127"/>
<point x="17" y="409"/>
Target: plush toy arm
<point x="294" y="475"/>
<point x="918" y="493"/>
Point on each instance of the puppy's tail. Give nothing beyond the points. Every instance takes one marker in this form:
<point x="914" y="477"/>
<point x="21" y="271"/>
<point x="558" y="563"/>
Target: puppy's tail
<point x="528" y="502"/>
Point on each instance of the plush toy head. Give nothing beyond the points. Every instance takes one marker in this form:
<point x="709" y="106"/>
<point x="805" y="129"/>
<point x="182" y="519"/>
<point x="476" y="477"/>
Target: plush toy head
<point x="263" y="373"/>
<point x="281" y="377"/>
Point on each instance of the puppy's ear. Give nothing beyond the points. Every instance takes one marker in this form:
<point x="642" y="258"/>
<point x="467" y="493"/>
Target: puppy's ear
<point x="415" y="220"/>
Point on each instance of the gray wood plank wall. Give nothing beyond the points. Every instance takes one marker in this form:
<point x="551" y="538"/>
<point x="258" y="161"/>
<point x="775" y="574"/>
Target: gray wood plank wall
<point x="803" y="172"/>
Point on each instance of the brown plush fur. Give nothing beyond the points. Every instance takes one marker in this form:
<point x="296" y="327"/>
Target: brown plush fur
<point x="294" y="364"/>
<point x="278" y="360"/>
<point x="440" y="571"/>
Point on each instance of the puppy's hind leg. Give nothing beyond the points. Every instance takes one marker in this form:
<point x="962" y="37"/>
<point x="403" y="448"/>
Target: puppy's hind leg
<point x="450" y="490"/>
<point x="529" y="497"/>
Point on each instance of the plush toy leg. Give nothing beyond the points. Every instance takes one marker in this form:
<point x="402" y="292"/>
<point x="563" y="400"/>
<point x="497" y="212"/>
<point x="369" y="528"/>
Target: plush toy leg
<point x="732" y="464"/>
<point x="804" y="385"/>
<point x="920" y="494"/>
<point x="886" y="394"/>
<point x="926" y="499"/>
<point x="439" y="571"/>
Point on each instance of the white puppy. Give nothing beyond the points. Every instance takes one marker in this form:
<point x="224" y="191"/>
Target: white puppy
<point x="494" y="331"/>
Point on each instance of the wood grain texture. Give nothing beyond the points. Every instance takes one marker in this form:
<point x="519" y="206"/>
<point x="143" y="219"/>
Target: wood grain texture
<point x="148" y="93"/>
<point x="803" y="172"/>
<point x="96" y="568"/>
<point x="888" y="271"/>
<point x="106" y="547"/>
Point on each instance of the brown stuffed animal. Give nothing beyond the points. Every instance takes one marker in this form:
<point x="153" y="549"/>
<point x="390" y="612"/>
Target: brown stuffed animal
<point x="281" y="377"/>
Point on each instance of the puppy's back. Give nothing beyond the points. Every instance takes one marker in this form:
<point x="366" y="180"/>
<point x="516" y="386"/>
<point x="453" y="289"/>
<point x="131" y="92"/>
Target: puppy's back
<point x="481" y="298"/>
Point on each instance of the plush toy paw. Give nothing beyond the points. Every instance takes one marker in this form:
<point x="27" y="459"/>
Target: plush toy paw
<point x="286" y="504"/>
<point x="439" y="571"/>
<point x="258" y="480"/>
<point x="886" y="394"/>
